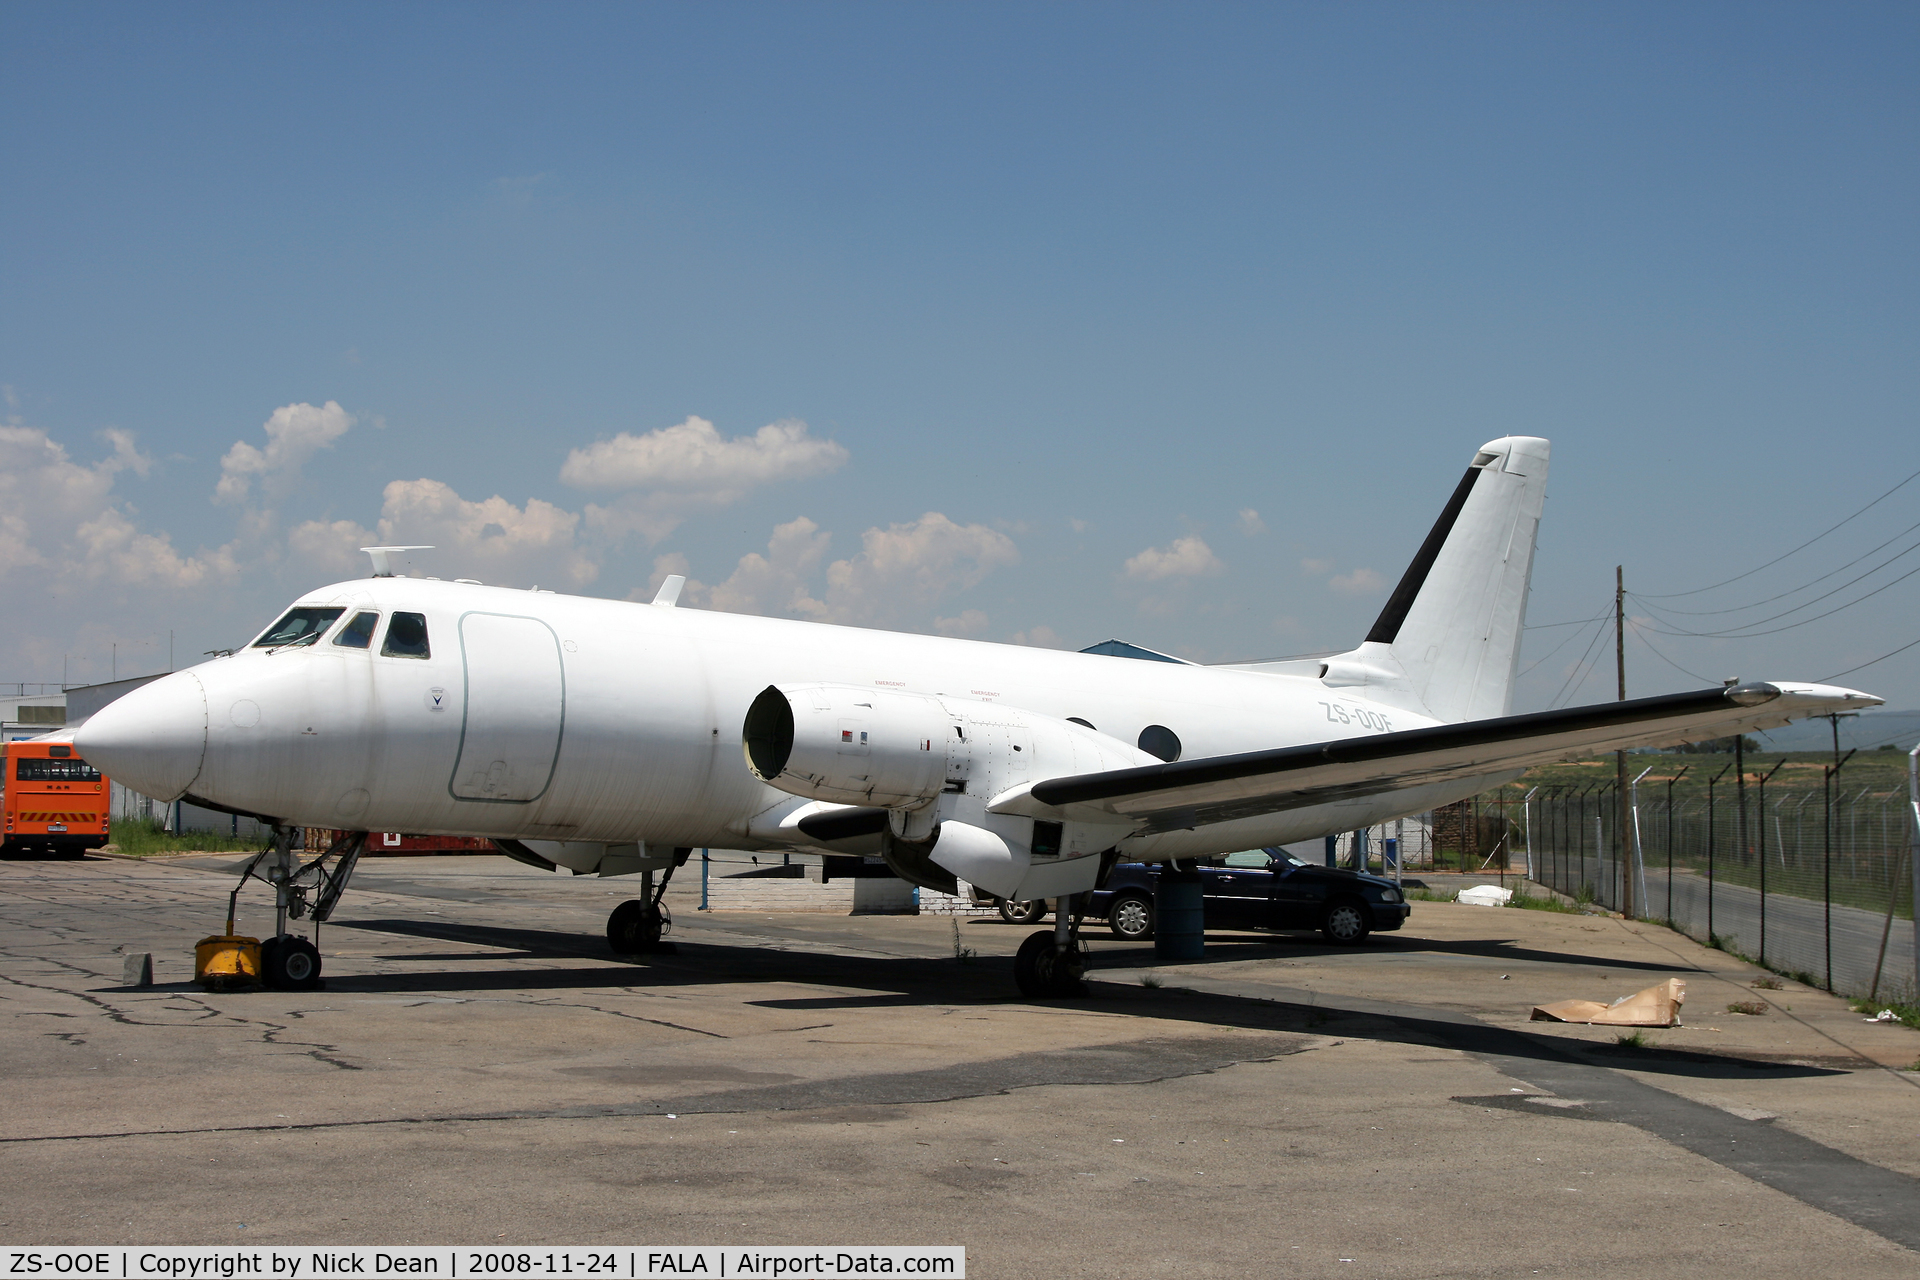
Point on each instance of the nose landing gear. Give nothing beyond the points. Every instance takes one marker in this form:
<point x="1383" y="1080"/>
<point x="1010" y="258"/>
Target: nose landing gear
<point x="286" y="962"/>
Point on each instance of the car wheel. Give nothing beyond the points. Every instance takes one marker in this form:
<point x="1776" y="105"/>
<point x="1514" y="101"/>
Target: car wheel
<point x="1131" y="917"/>
<point x="1032" y="911"/>
<point x="1345" y="923"/>
<point x="288" y="963"/>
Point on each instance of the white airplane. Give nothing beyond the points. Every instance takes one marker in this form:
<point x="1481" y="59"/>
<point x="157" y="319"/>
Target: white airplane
<point x="614" y="737"/>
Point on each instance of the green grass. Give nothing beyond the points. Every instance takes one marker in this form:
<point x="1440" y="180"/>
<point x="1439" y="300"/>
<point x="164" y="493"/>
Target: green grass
<point x="1525" y="898"/>
<point x="1633" y="1040"/>
<point x="1907" y="1013"/>
<point x="143" y="838"/>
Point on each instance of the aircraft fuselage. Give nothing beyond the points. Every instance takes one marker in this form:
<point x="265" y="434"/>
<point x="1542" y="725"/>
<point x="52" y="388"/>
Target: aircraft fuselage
<point x="542" y="716"/>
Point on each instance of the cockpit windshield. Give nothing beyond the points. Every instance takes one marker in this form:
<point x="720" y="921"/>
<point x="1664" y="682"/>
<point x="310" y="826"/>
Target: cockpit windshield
<point x="357" y="634"/>
<point x="300" y="626"/>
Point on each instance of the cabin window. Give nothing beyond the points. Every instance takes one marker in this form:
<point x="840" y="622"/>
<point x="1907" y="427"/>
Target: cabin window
<point x="72" y="769"/>
<point x="358" y="634"/>
<point x="1158" y="740"/>
<point x="407" y="636"/>
<point x="300" y="626"/>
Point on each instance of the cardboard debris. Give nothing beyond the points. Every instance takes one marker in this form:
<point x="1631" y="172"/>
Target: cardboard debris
<point x="1485" y="895"/>
<point x="1655" y="1007"/>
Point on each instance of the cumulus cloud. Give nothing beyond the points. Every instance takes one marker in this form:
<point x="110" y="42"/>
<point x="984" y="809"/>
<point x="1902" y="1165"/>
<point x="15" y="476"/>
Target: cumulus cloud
<point x="1188" y="557"/>
<point x="693" y="458"/>
<point x="1361" y="582"/>
<point x="1316" y="567"/>
<point x="903" y="569"/>
<point x="665" y="474"/>
<point x="780" y="581"/>
<point x="1039" y="638"/>
<point x="971" y="622"/>
<point x="295" y="432"/>
<point x="1249" y="522"/>
<point x="490" y="539"/>
<point x="61" y="518"/>
<point x="897" y="577"/>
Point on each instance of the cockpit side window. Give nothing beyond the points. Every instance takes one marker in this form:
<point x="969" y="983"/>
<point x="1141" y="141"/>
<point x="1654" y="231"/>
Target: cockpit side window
<point x="300" y="626"/>
<point x="357" y="634"/>
<point x="407" y="636"/>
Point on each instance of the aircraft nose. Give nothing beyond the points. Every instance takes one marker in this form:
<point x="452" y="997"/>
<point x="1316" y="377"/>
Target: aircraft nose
<point x="152" y="740"/>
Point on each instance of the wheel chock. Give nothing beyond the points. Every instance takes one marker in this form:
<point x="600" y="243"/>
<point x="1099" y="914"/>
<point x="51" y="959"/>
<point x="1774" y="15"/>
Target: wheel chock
<point x="138" y="969"/>
<point x="226" y="962"/>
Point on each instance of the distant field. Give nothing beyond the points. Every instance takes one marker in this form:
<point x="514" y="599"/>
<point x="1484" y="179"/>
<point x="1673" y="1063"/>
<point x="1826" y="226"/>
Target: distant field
<point x="1882" y="771"/>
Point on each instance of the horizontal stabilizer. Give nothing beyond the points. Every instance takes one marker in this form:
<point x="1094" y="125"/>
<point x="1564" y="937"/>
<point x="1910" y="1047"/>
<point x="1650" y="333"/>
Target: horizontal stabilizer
<point x="1190" y="793"/>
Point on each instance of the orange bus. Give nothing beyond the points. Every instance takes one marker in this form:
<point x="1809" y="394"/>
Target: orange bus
<point x="55" y="802"/>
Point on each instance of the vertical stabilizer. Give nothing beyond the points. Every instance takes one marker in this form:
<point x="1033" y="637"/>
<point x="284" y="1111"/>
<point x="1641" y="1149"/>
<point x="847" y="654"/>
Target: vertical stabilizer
<point x="1453" y="624"/>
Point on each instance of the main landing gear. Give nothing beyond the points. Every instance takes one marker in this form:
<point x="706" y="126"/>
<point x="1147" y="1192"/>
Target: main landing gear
<point x="1052" y="963"/>
<point x="636" y="925"/>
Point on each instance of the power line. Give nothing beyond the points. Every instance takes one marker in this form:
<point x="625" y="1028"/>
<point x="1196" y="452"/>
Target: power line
<point x="1736" y="633"/>
<point x="1704" y="613"/>
<point x="1585" y="661"/>
<point x="1675" y="595"/>
<point x="1669" y="661"/>
<point x="1563" y="644"/>
<point x="1863" y="666"/>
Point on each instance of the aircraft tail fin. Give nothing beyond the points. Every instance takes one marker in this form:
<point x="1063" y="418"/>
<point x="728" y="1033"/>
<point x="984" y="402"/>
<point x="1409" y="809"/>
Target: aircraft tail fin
<point x="1449" y="635"/>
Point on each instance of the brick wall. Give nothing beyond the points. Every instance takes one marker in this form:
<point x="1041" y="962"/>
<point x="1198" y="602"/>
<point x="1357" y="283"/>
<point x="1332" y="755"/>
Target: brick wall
<point x="780" y="889"/>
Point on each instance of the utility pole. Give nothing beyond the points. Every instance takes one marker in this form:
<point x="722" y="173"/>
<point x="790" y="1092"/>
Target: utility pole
<point x="1620" y="757"/>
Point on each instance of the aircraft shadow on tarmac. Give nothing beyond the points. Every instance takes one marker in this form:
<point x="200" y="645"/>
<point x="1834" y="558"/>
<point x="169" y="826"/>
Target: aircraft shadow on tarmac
<point x="1310" y="944"/>
<point x="881" y="982"/>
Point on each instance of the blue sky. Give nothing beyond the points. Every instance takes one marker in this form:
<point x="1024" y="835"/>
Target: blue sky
<point x="1059" y="292"/>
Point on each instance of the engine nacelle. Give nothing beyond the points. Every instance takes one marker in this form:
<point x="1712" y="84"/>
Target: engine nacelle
<point x="876" y="747"/>
<point x="898" y="750"/>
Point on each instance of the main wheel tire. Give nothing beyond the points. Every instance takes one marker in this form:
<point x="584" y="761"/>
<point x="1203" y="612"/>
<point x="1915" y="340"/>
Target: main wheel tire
<point x="288" y="963"/>
<point x="1131" y="917"/>
<point x="1044" y="972"/>
<point x="1031" y="911"/>
<point x="1345" y="924"/>
<point x="633" y="928"/>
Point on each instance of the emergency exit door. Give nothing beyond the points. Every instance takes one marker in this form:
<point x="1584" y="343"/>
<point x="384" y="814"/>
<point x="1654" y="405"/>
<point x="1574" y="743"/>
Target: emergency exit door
<point x="515" y="709"/>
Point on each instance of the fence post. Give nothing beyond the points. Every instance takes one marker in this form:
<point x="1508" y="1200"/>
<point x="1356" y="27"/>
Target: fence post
<point x="1636" y="892"/>
<point x="1526" y="815"/>
<point x="1762" y="851"/>
<point x="1710" y="811"/>
<point x="1913" y="856"/>
<point x="1670" y="781"/>
<point x="1826" y="856"/>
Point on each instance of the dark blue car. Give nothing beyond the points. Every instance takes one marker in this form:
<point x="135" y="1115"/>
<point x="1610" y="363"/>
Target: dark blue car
<point x="1261" y="889"/>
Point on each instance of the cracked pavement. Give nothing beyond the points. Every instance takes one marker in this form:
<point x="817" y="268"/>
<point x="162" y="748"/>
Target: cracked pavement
<point x="481" y="1069"/>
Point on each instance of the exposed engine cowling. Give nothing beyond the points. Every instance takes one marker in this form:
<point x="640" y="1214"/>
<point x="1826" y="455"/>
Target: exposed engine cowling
<point x="853" y="746"/>
<point x="899" y="750"/>
<point x="939" y="765"/>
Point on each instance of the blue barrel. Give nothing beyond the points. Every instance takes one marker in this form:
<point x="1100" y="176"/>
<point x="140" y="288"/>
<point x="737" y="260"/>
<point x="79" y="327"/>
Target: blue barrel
<point x="1180" y="916"/>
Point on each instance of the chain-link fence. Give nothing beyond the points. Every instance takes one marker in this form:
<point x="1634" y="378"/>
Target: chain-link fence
<point x="1814" y="883"/>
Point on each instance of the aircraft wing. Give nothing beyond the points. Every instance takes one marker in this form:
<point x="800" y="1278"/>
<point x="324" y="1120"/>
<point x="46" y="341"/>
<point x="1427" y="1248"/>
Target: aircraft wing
<point x="1191" y="793"/>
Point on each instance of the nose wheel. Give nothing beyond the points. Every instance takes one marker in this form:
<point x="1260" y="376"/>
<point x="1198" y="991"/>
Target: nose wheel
<point x="290" y="963"/>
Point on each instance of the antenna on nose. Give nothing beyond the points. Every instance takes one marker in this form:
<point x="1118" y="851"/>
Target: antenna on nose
<point x="383" y="567"/>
